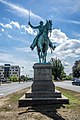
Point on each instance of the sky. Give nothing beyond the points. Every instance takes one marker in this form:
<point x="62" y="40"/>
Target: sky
<point x="16" y="35"/>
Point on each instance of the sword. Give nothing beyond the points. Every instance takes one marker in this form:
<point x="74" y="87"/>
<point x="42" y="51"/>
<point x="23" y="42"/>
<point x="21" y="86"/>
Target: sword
<point x="29" y="15"/>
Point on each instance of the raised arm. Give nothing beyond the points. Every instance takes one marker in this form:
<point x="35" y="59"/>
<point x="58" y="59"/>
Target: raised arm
<point x="33" y="26"/>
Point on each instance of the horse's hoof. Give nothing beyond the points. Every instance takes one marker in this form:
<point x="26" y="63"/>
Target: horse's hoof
<point x="31" y="47"/>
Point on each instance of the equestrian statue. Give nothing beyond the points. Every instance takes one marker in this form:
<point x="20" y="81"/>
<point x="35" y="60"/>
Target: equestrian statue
<point x="42" y="41"/>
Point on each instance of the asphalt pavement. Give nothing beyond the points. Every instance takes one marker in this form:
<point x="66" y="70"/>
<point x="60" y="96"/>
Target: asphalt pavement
<point x="68" y="85"/>
<point x="9" y="88"/>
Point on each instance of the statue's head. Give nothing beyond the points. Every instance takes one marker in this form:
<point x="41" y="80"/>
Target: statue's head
<point x="50" y="21"/>
<point x="41" y="22"/>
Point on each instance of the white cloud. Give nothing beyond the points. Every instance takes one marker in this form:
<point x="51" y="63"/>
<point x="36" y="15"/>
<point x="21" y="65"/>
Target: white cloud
<point x="66" y="64"/>
<point x="16" y="24"/>
<point x="2" y="24"/>
<point x="77" y="35"/>
<point x="29" y="30"/>
<point x="20" y="10"/>
<point x="12" y="59"/>
<point x="58" y="36"/>
<point x="6" y="57"/>
<point x="2" y="30"/>
<point x="71" y="48"/>
<point x="68" y="50"/>
<point x="11" y="24"/>
<point x="70" y="21"/>
<point x="9" y="36"/>
<point x="27" y="49"/>
<point x="67" y="47"/>
<point x="6" y="25"/>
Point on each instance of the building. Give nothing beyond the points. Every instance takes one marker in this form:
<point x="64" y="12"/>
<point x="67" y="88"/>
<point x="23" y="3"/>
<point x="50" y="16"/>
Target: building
<point x="7" y="70"/>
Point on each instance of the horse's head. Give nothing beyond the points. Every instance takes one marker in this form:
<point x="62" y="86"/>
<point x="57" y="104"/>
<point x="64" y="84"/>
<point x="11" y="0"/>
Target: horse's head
<point x="49" y="25"/>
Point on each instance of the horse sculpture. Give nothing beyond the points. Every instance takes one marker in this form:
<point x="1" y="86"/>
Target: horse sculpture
<point x="43" y="42"/>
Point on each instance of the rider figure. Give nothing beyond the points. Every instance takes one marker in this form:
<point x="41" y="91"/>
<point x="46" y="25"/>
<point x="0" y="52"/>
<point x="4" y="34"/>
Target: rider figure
<point x="40" y="28"/>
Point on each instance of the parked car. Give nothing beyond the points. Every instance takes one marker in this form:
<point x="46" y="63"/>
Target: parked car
<point x="76" y="82"/>
<point x="3" y="80"/>
<point x="73" y="79"/>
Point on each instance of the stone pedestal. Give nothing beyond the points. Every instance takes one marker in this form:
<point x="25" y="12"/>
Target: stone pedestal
<point x="42" y="91"/>
<point x="43" y="78"/>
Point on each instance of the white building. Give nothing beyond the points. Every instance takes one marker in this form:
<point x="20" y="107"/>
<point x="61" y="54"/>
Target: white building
<point x="7" y="70"/>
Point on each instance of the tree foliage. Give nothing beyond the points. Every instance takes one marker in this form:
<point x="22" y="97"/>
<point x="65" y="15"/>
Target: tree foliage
<point x="57" y="69"/>
<point x="23" y="78"/>
<point x="13" y="78"/>
<point x="67" y="77"/>
<point x="76" y="69"/>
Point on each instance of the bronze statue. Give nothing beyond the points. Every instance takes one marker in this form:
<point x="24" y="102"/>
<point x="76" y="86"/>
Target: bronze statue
<point x="40" y="28"/>
<point x="42" y="40"/>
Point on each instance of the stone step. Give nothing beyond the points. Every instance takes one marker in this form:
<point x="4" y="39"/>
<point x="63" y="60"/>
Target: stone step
<point x="43" y="94"/>
<point x="24" y="102"/>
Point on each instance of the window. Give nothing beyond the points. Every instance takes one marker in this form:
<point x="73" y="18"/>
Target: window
<point x="12" y="67"/>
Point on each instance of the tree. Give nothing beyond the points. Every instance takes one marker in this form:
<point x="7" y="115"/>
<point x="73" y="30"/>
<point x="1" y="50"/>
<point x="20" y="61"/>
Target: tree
<point x="57" y="69"/>
<point x="67" y="77"/>
<point x="76" y="69"/>
<point x="24" y="78"/>
<point x="14" y="78"/>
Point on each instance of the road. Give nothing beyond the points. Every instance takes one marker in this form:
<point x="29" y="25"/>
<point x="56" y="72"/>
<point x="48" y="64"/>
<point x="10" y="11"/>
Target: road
<point x="68" y="85"/>
<point x="9" y="88"/>
<point x="6" y="89"/>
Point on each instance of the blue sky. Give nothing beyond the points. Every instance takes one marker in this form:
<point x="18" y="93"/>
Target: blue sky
<point x="16" y="36"/>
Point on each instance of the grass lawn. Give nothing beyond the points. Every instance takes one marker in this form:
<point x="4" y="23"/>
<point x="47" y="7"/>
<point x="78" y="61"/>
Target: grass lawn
<point x="74" y="97"/>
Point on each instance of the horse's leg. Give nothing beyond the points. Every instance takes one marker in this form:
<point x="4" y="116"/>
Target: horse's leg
<point x="40" y="48"/>
<point x="42" y="59"/>
<point x="45" y="58"/>
<point x="45" y="54"/>
<point x="40" y="42"/>
<point x="39" y="59"/>
<point x="39" y="56"/>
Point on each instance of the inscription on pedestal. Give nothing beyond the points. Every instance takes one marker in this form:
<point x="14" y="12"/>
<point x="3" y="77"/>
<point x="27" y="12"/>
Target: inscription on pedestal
<point x="42" y="72"/>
